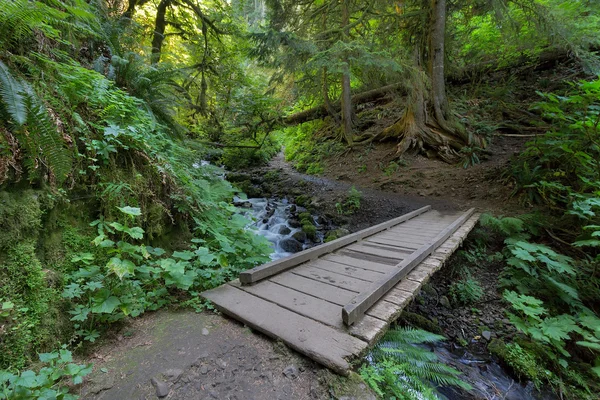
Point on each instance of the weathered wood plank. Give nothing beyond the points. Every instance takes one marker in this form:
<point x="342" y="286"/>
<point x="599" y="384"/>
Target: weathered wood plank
<point x="353" y="262"/>
<point x="387" y="247"/>
<point x="368" y="257"/>
<point x="392" y="243"/>
<point x="331" y="278"/>
<point x="315" y="288"/>
<point x="361" y="303"/>
<point x="320" y="342"/>
<point x="312" y="307"/>
<point x="354" y="272"/>
<point x="275" y="267"/>
<point x="361" y="248"/>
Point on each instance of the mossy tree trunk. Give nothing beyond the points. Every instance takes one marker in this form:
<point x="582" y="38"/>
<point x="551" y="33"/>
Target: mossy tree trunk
<point x="428" y="125"/>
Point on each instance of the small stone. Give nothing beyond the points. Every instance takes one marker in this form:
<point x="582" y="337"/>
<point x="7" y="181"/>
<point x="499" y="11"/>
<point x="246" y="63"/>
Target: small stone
<point x="445" y="302"/>
<point x="291" y="371"/>
<point x="173" y="374"/>
<point x="162" y="389"/>
<point x="204" y="370"/>
<point x="222" y="364"/>
<point x="487" y="335"/>
<point x="284" y="230"/>
<point x="205" y="332"/>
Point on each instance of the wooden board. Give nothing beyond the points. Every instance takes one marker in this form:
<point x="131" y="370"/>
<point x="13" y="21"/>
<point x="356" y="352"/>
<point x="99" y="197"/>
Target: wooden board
<point x="320" y="342"/>
<point x="353" y="262"/>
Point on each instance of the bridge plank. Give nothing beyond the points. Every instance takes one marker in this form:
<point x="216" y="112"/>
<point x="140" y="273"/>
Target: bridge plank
<point x="312" y="307"/>
<point x="393" y="243"/>
<point x="320" y="342"/>
<point x="362" y="248"/>
<point x="354" y="272"/>
<point x="382" y="246"/>
<point x="368" y="257"/>
<point x="315" y="288"/>
<point x="353" y="262"/>
<point x="331" y="278"/>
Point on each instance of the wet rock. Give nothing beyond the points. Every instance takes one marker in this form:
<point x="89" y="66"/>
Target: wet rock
<point x="104" y="382"/>
<point x="162" y="389"/>
<point x="291" y="371"/>
<point x="300" y="236"/>
<point x="487" y="335"/>
<point x="243" y="204"/>
<point x="445" y="302"/>
<point x="294" y="223"/>
<point x="173" y="374"/>
<point x="290" y="245"/>
<point x="284" y="230"/>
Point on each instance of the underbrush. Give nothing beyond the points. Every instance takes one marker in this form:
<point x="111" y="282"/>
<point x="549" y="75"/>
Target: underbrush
<point x="305" y="150"/>
<point x="104" y="213"/>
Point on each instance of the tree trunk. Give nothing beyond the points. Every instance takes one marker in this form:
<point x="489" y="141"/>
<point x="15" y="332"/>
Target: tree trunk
<point x="160" y="25"/>
<point x="436" y="62"/>
<point x="427" y="125"/>
<point x="346" y="100"/>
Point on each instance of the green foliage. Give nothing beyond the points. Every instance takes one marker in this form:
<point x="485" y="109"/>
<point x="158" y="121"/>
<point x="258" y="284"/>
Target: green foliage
<point x="48" y="383"/>
<point x="304" y="150"/>
<point x="132" y="278"/>
<point x="465" y="291"/>
<point x="543" y="290"/>
<point x="402" y="368"/>
<point x="351" y="204"/>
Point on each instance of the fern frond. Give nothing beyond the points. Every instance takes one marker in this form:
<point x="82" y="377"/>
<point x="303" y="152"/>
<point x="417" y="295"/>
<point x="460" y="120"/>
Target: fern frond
<point x="412" y="336"/>
<point x="44" y="139"/>
<point x="11" y="91"/>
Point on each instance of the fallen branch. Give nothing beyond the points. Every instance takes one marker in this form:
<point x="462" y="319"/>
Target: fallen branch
<point x="360" y="98"/>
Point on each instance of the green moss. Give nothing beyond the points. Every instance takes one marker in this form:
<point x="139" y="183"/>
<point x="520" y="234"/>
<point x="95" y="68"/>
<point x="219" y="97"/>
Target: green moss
<point x="302" y="200"/>
<point x="524" y="363"/>
<point x="310" y="230"/>
<point x="419" y="321"/>
<point x="29" y="328"/>
<point x="20" y="216"/>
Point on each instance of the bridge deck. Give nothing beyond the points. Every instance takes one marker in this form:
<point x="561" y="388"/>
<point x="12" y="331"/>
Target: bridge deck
<point x="333" y="301"/>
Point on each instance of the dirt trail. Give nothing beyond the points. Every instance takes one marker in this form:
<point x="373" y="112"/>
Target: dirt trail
<point x="205" y="356"/>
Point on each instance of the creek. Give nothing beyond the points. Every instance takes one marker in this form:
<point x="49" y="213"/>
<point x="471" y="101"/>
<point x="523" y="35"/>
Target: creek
<point x="276" y="220"/>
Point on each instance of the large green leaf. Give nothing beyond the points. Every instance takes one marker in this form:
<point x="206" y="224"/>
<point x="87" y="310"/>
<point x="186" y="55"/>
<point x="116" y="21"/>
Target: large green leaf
<point x="120" y="267"/>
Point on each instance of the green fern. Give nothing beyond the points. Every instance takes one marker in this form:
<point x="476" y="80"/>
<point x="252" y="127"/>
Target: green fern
<point x="11" y="91"/>
<point x="403" y="370"/>
<point x="32" y="126"/>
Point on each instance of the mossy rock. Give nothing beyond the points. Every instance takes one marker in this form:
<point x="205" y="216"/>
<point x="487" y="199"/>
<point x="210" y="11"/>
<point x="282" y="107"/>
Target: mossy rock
<point x="305" y="216"/>
<point x="497" y="348"/>
<point x="310" y="230"/>
<point x="421" y="322"/>
<point x="303" y="200"/>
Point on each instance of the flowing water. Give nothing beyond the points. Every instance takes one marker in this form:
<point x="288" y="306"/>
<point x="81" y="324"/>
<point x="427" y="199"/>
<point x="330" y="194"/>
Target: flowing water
<point x="273" y="220"/>
<point x="488" y="378"/>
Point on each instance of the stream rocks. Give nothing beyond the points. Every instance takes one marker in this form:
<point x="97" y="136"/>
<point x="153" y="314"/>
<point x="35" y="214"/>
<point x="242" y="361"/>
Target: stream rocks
<point x="162" y="388"/>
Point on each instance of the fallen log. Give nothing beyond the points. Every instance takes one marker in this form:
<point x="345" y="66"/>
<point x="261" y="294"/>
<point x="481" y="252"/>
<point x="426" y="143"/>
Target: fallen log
<point x="360" y="98"/>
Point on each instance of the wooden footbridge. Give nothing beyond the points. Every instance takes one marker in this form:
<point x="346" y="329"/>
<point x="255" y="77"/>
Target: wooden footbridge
<point x="333" y="301"/>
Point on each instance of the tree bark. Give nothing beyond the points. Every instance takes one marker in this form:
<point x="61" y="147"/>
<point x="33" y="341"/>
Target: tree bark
<point x="160" y="24"/>
<point x="346" y="100"/>
<point x="436" y="62"/>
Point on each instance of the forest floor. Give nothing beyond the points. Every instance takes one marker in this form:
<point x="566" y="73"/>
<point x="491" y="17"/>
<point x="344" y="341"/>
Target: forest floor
<point x="205" y="356"/>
